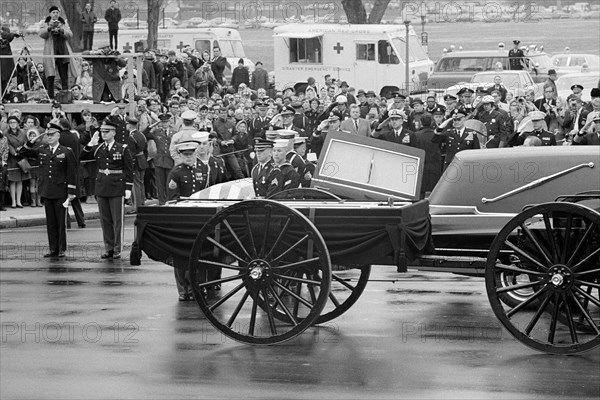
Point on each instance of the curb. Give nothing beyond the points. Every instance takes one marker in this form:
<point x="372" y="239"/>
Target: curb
<point x="23" y="222"/>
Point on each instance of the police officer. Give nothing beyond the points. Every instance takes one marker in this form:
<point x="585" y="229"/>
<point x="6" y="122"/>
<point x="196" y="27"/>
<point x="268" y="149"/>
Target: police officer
<point x="537" y="118"/>
<point x="515" y="56"/>
<point x="57" y="183"/>
<point x="392" y="129"/>
<point x="290" y="178"/>
<point x="114" y="180"/>
<point x="266" y="177"/>
<point x="457" y="138"/>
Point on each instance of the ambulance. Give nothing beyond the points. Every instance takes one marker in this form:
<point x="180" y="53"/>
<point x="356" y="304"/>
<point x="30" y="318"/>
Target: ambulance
<point x="369" y="57"/>
<point x="200" y="39"/>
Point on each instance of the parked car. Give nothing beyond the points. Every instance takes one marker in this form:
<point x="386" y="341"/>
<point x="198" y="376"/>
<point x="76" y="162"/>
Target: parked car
<point x="515" y="81"/>
<point x="460" y="66"/>
<point x="588" y="80"/>
<point x="567" y="63"/>
<point x="34" y="28"/>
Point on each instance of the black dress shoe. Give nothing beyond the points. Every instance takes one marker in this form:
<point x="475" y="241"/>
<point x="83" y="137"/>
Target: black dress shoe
<point x="108" y="254"/>
<point x="61" y="254"/>
<point x="51" y="254"/>
<point x="116" y="256"/>
<point x="2" y="208"/>
<point x="183" y="297"/>
<point x="82" y="226"/>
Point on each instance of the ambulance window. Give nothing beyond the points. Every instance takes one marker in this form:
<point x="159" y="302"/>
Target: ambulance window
<point x="202" y="45"/>
<point x="365" y="51"/>
<point x="306" y="50"/>
<point x="386" y="53"/>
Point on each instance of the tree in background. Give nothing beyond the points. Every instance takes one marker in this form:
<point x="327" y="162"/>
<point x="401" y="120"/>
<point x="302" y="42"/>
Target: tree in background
<point x="154" y="7"/>
<point x="356" y="13"/>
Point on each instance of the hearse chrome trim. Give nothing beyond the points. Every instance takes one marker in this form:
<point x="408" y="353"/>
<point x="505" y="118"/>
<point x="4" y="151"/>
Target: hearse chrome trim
<point x="537" y="183"/>
<point x="437" y="210"/>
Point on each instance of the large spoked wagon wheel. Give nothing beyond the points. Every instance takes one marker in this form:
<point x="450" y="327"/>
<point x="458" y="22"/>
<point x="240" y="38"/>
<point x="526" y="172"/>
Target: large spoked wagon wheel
<point x="260" y="252"/>
<point x="557" y="247"/>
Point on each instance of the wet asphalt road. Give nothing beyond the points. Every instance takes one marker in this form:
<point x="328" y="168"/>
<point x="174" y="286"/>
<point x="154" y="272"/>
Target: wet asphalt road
<point x="86" y="328"/>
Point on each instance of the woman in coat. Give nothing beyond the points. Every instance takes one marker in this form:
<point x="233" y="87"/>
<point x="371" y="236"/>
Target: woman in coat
<point x="16" y="139"/>
<point x="56" y="34"/>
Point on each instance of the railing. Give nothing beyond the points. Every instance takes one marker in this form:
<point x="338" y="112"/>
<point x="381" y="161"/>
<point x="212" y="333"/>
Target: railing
<point x="77" y="58"/>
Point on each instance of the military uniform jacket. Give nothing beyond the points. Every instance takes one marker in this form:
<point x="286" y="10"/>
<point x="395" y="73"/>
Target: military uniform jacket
<point x="291" y="179"/>
<point x="115" y="168"/>
<point x="258" y="127"/>
<point x="267" y="179"/>
<point x="546" y="137"/>
<point x="590" y="138"/>
<point x="185" y="180"/>
<point x="406" y="137"/>
<point x="162" y="138"/>
<point x="494" y="123"/>
<point x="137" y="146"/>
<point x="456" y="142"/>
<point x="57" y="172"/>
<point x="515" y="58"/>
<point x="299" y="165"/>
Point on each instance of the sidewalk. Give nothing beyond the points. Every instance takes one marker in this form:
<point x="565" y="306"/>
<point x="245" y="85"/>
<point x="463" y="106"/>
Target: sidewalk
<point x="35" y="216"/>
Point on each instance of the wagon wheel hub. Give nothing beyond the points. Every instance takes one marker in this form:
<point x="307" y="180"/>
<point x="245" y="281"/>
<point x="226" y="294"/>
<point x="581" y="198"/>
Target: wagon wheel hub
<point x="258" y="269"/>
<point x="561" y="277"/>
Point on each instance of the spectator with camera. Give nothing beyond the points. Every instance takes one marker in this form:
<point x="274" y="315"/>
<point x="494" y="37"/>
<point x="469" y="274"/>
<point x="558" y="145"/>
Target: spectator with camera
<point x="173" y="68"/>
<point x="106" y="85"/>
<point x="56" y="34"/>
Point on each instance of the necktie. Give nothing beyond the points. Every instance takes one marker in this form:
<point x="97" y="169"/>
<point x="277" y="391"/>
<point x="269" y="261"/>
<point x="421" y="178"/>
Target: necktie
<point x="356" y="124"/>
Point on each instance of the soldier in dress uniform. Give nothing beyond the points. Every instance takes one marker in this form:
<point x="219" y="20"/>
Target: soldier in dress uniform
<point x="515" y="56"/>
<point x="163" y="163"/>
<point x="309" y="167"/>
<point x="497" y="131"/>
<point x="138" y="148"/>
<point x="590" y="133"/>
<point x="466" y="101"/>
<point x="266" y="177"/>
<point x="260" y="124"/>
<point x="114" y="180"/>
<point x="120" y="120"/>
<point x="451" y="104"/>
<point x="289" y="176"/>
<point x="392" y="129"/>
<point x="547" y="138"/>
<point x="291" y="156"/>
<point x="431" y="105"/>
<point x="457" y="138"/>
<point x="57" y="183"/>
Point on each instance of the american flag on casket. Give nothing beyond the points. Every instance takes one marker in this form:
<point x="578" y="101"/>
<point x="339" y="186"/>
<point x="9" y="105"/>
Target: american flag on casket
<point x="241" y="189"/>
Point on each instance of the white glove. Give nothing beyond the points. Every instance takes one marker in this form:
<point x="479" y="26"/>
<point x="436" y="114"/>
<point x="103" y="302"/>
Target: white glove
<point x="127" y="194"/>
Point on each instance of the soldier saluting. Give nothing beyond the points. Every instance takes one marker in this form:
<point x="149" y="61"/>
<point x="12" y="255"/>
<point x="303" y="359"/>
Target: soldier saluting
<point x="457" y="138"/>
<point x="537" y="118"/>
<point x="57" y="183"/>
<point x="515" y="56"/>
<point x="114" y="180"/>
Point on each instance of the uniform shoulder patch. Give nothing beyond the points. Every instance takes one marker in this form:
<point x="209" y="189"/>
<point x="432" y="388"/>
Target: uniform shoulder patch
<point x="275" y="182"/>
<point x="172" y="184"/>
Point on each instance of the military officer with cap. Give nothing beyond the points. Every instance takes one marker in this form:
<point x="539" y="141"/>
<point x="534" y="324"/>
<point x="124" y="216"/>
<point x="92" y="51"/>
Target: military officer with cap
<point x="392" y="129"/>
<point x="161" y="133"/>
<point x="457" y="138"/>
<point x="431" y="105"/>
<point x="291" y="156"/>
<point x="213" y="168"/>
<point x="289" y="176"/>
<point x="466" y="101"/>
<point x="451" y="103"/>
<point x="114" y="180"/>
<point x="259" y="124"/>
<point x="308" y="169"/>
<point x="590" y="133"/>
<point x="57" y="183"/>
<point x="285" y="120"/>
<point x="266" y="177"/>
<point x="577" y="90"/>
<point x="515" y="56"/>
<point x="547" y="138"/>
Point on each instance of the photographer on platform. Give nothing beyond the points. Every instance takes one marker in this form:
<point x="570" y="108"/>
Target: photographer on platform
<point x="56" y="34"/>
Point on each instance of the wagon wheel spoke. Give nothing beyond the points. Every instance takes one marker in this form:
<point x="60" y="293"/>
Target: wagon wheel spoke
<point x="569" y="316"/>
<point x="586" y="316"/>
<point x="252" y="325"/>
<point x="552" y="330"/>
<point x="294" y="279"/>
<point x="590" y="285"/>
<point x="227" y="296"/>
<point x="518" y="270"/>
<point x="536" y="243"/>
<point x="519" y="286"/>
<point x="279" y="238"/>
<point x="236" y="238"/>
<point x="283" y="306"/>
<point x="225" y="249"/>
<point x="587" y="296"/>
<point x="591" y="271"/>
<point x="265" y="229"/>
<point x="526" y="255"/>
<point x="537" y="315"/>
<point x="220" y="281"/>
<point x="295" y="296"/>
<point x="342" y="281"/>
<point x="250" y="235"/>
<point x="334" y="299"/>
<point x="290" y="249"/>
<point x="527" y="302"/>
<point x="269" y="312"/>
<point x="237" y="309"/>
<point x="567" y="239"/>
<point x="211" y="263"/>
<point x="585" y="260"/>
<point x="581" y="244"/>
<point x="550" y="235"/>
<point x="298" y="264"/>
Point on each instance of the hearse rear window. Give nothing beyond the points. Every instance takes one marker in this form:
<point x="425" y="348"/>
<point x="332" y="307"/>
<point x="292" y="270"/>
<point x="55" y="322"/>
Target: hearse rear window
<point x="306" y="50"/>
<point x="462" y="64"/>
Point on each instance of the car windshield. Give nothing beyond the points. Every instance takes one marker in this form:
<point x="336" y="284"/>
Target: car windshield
<point x="587" y="81"/>
<point x="232" y="48"/>
<point x="510" y="81"/>
<point x="560" y="61"/>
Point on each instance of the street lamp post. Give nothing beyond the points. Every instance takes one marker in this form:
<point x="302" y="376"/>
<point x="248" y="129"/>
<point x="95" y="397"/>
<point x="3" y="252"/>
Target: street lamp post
<point x="407" y="59"/>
